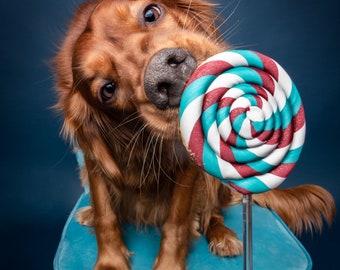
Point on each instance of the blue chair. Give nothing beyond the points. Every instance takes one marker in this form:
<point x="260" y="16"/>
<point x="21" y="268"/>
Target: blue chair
<point x="274" y="245"/>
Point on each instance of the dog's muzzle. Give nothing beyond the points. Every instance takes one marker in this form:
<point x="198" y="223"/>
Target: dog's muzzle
<point x="166" y="75"/>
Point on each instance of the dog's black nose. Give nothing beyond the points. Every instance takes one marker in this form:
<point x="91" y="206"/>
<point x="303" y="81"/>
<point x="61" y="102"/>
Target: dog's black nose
<point x="166" y="75"/>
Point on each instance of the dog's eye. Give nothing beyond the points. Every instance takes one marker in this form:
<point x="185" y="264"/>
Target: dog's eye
<point x="152" y="13"/>
<point x="107" y="91"/>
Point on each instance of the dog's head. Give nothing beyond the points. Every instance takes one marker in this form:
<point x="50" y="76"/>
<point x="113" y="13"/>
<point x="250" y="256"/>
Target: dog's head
<point x="133" y="57"/>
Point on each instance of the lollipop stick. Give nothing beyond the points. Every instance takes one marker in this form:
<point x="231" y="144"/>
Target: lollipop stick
<point x="247" y="233"/>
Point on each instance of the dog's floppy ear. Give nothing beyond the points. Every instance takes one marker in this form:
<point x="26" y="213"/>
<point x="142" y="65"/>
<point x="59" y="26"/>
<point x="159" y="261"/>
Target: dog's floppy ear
<point x="79" y="121"/>
<point x="71" y="103"/>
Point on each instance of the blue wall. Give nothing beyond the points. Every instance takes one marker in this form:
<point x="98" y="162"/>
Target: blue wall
<point x="39" y="182"/>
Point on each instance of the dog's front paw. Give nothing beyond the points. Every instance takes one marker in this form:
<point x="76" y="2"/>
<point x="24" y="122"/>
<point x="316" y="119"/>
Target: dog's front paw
<point x="108" y="265"/>
<point x="168" y="265"/>
<point x="224" y="243"/>
<point x="117" y="261"/>
<point x="85" y="216"/>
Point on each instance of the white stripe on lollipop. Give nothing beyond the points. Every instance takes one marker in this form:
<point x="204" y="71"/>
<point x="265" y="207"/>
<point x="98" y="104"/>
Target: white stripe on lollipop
<point x="271" y="180"/>
<point x="226" y="80"/>
<point x="299" y="138"/>
<point x="284" y="80"/>
<point x="213" y="138"/>
<point x="190" y="116"/>
<point x="234" y="58"/>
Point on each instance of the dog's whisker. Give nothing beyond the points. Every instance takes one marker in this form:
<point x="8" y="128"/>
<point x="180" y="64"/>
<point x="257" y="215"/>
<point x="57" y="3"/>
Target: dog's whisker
<point x="132" y="117"/>
<point x="229" y="32"/>
<point x="159" y="160"/>
<point x="199" y="23"/>
<point x="145" y="171"/>
<point x="187" y="14"/>
<point x="156" y="156"/>
<point x="134" y="140"/>
<point x="176" y="157"/>
<point x="226" y="19"/>
<point x="213" y="23"/>
<point x="114" y="134"/>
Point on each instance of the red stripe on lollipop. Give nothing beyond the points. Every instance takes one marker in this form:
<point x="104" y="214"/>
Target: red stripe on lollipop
<point x="196" y="142"/>
<point x="269" y="65"/>
<point x="213" y="97"/>
<point x="214" y="68"/>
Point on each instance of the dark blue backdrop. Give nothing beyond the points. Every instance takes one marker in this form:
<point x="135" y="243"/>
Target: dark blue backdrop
<point x="39" y="182"/>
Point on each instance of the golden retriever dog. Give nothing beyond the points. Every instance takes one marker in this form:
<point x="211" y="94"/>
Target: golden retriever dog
<point x="120" y="74"/>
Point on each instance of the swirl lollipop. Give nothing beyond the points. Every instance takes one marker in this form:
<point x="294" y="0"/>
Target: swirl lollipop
<point x="242" y="118"/>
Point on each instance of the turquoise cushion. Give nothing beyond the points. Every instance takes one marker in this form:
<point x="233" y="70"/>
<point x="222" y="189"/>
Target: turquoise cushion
<point x="274" y="246"/>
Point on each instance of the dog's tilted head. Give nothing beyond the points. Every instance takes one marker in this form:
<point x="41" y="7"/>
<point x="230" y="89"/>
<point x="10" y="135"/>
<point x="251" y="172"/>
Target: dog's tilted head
<point x="134" y="57"/>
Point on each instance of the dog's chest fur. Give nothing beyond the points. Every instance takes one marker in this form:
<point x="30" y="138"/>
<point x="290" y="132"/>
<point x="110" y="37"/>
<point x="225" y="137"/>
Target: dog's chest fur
<point x="148" y="166"/>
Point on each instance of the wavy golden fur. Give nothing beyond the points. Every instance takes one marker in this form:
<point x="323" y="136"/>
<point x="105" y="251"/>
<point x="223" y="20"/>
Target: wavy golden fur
<point x="136" y="165"/>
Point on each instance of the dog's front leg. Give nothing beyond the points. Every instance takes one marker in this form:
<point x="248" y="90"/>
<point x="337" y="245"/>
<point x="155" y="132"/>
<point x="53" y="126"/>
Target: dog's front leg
<point x="112" y="253"/>
<point x="177" y="228"/>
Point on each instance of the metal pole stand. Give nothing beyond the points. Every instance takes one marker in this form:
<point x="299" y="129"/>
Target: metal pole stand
<point x="247" y="232"/>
